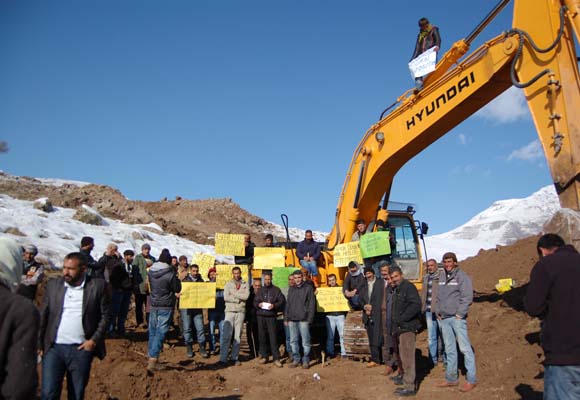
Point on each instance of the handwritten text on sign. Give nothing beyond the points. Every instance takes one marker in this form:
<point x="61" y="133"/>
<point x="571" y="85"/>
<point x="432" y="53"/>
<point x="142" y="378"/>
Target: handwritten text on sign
<point x="205" y="262"/>
<point x="424" y="63"/>
<point x="197" y="295"/>
<point x="224" y="274"/>
<point x="375" y="244"/>
<point x="345" y="253"/>
<point x="331" y="300"/>
<point x="229" y="244"/>
<point x="269" y="257"/>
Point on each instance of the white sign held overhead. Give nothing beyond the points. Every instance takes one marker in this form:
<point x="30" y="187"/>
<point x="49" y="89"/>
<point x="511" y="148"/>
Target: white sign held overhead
<point x="423" y="64"/>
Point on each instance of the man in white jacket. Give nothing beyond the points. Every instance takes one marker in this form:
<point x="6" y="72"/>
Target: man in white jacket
<point x="236" y="293"/>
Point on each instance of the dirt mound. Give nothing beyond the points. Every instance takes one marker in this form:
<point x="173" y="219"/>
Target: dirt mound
<point x="505" y="340"/>
<point x="196" y="220"/>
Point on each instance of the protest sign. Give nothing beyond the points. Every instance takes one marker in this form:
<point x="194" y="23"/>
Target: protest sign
<point x="280" y="276"/>
<point x="224" y="274"/>
<point x="331" y="299"/>
<point x="375" y="244"/>
<point x="229" y="244"/>
<point x="345" y="253"/>
<point x="269" y="257"/>
<point x="205" y="262"/>
<point x="423" y="64"/>
<point x="197" y="295"/>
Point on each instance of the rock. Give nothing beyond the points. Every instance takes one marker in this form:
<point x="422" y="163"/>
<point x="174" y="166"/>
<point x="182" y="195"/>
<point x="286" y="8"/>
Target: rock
<point x="43" y="204"/>
<point x="88" y="217"/>
<point x="14" y="231"/>
<point x="566" y="223"/>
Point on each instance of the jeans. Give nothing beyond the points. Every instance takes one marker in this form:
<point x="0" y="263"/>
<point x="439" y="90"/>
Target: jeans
<point x="233" y="324"/>
<point x="310" y="266"/>
<point x="187" y="316"/>
<point x="300" y="330"/>
<point x="455" y="333"/>
<point x="334" y="322"/>
<point x="120" y="300"/>
<point x="433" y="335"/>
<point x="561" y="382"/>
<point x="354" y="302"/>
<point x="215" y="318"/>
<point x="61" y="360"/>
<point x="158" y="327"/>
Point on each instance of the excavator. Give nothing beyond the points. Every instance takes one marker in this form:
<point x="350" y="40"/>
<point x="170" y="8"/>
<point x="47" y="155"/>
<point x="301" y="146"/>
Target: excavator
<point x="537" y="55"/>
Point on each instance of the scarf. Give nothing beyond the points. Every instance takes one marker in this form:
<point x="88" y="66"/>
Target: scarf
<point x="424" y="32"/>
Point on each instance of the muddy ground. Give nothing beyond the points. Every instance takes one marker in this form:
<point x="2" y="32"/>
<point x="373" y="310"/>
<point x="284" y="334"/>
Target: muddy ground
<point x="505" y="339"/>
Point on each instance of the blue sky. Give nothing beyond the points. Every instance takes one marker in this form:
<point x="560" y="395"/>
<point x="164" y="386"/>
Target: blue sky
<point x="260" y="101"/>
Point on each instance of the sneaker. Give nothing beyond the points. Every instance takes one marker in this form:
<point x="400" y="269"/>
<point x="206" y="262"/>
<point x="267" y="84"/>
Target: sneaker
<point x="397" y="380"/>
<point x="294" y="364"/>
<point x="372" y="364"/>
<point x="203" y="353"/>
<point x="305" y="365"/>
<point x="237" y="363"/>
<point x="189" y="350"/>
<point x="467" y="387"/>
<point x="152" y="365"/>
<point x="262" y="360"/>
<point x="278" y="364"/>
<point x="405" y="392"/>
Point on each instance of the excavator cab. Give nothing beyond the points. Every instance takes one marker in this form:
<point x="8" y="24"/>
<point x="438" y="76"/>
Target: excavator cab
<point x="405" y="245"/>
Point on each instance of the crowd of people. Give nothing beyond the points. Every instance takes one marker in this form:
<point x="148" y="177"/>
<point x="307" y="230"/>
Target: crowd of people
<point x="90" y="301"/>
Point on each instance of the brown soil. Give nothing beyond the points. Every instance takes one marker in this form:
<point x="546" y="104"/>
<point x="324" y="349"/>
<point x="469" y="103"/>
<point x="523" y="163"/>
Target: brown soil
<point x="503" y="336"/>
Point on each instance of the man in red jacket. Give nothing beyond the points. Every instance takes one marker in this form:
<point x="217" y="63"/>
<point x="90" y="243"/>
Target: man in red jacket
<point x="553" y="295"/>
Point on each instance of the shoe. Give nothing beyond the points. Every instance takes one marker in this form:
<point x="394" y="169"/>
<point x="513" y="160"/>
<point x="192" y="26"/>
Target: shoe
<point x="467" y="387"/>
<point x="189" y="350"/>
<point x="397" y="380"/>
<point x="278" y="364"/>
<point x="305" y="365"/>
<point x="445" y="384"/>
<point x="388" y="371"/>
<point x="237" y="363"/>
<point x="262" y="360"/>
<point x="203" y="353"/>
<point x="294" y="364"/>
<point x="372" y="364"/>
<point x="405" y="392"/>
<point x="344" y="358"/>
<point x="152" y="365"/>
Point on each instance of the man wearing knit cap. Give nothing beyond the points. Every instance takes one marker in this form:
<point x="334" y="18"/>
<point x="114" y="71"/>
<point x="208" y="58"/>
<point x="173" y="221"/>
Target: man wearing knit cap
<point x="18" y="329"/>
<point x="32" y="272"/>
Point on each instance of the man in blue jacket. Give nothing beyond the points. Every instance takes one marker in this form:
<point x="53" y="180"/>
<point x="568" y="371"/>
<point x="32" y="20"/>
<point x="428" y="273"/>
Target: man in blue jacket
<point x="454" y="296"/>
<point x="308" y="252"/>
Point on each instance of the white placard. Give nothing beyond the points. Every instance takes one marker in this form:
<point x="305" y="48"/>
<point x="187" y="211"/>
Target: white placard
<point x="423" y="64"/>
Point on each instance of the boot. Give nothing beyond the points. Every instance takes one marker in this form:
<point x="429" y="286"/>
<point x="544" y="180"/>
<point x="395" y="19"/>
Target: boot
<point x="189" y="350"/>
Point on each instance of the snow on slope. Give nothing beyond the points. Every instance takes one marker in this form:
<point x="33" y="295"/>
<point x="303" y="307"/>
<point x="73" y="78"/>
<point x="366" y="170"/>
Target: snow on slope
<point x="57" y="233"/>
<point x="503" y="223"/>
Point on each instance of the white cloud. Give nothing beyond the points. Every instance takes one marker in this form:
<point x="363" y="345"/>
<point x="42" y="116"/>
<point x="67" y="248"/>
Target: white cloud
<point x="462" y="139"/>
<point x="510" y="106"/>
<point x="530" y="152"/>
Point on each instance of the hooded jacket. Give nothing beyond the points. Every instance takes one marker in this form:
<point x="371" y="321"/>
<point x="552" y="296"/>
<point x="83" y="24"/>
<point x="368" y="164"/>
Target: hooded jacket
<point x="164" y="284"/>
<point x="356" y="281"/>
<point x="454" y="294"/>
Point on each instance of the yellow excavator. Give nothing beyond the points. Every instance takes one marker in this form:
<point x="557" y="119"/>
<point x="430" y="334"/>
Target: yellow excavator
<point x="537" y="54"/>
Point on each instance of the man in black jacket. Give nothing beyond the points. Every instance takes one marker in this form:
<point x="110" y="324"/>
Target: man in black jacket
<point x="299" y="314"/>
<point x="94" y="269"/>
<point x="354" y="281"/>
<point x="554" y="296"/>
<point x="73" y="321"/>
<point x="372" y="298"/>
<point x="268" y="302"/>
<point x="405" y="322"/>
<point x="248" y="257"/>
<point x="121" y="288"/>
<point x="427" y="38"/>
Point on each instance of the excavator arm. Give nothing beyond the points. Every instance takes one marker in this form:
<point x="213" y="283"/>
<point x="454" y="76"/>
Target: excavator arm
<point x="537" y="54"/>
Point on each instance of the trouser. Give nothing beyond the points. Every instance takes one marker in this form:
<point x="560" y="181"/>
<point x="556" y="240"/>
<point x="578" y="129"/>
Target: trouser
<point x="300" y="331"/>
<point x="562" y="382"/>
<point x="407" y="354"/>
<point x="252" y="336"/>
<point x="158" y="327"/>
<point x="434" y="336"/>
<point x="334" y="322"/>
<point x="189" y="320"/>
<point x="61" y="360"/>
<point x="354" y="302"/>
<point x="375" y="349"/>
<point x="215" y="318"/>
<point x="140" y="302"/>
<point x="120" y="300"/>
<point x="233" y="324"/>
<point x="455" y="333"/>
<point x="310" y="266"/>
<point x="267" y="333"/>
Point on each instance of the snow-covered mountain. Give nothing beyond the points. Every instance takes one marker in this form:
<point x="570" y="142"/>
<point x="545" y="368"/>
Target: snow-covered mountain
<point x="503" y="223"/>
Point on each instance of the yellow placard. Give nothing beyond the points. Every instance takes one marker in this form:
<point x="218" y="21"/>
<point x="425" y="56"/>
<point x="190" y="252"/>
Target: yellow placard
<point x="205" y="262"/>
<point x="345" y="253"/>
<point x="229" y="244"/>
<point x="269" y="257"/>
<point x="224" y="274"/>
<point x="197" y="295"/>
<point x="331" y="300"/>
